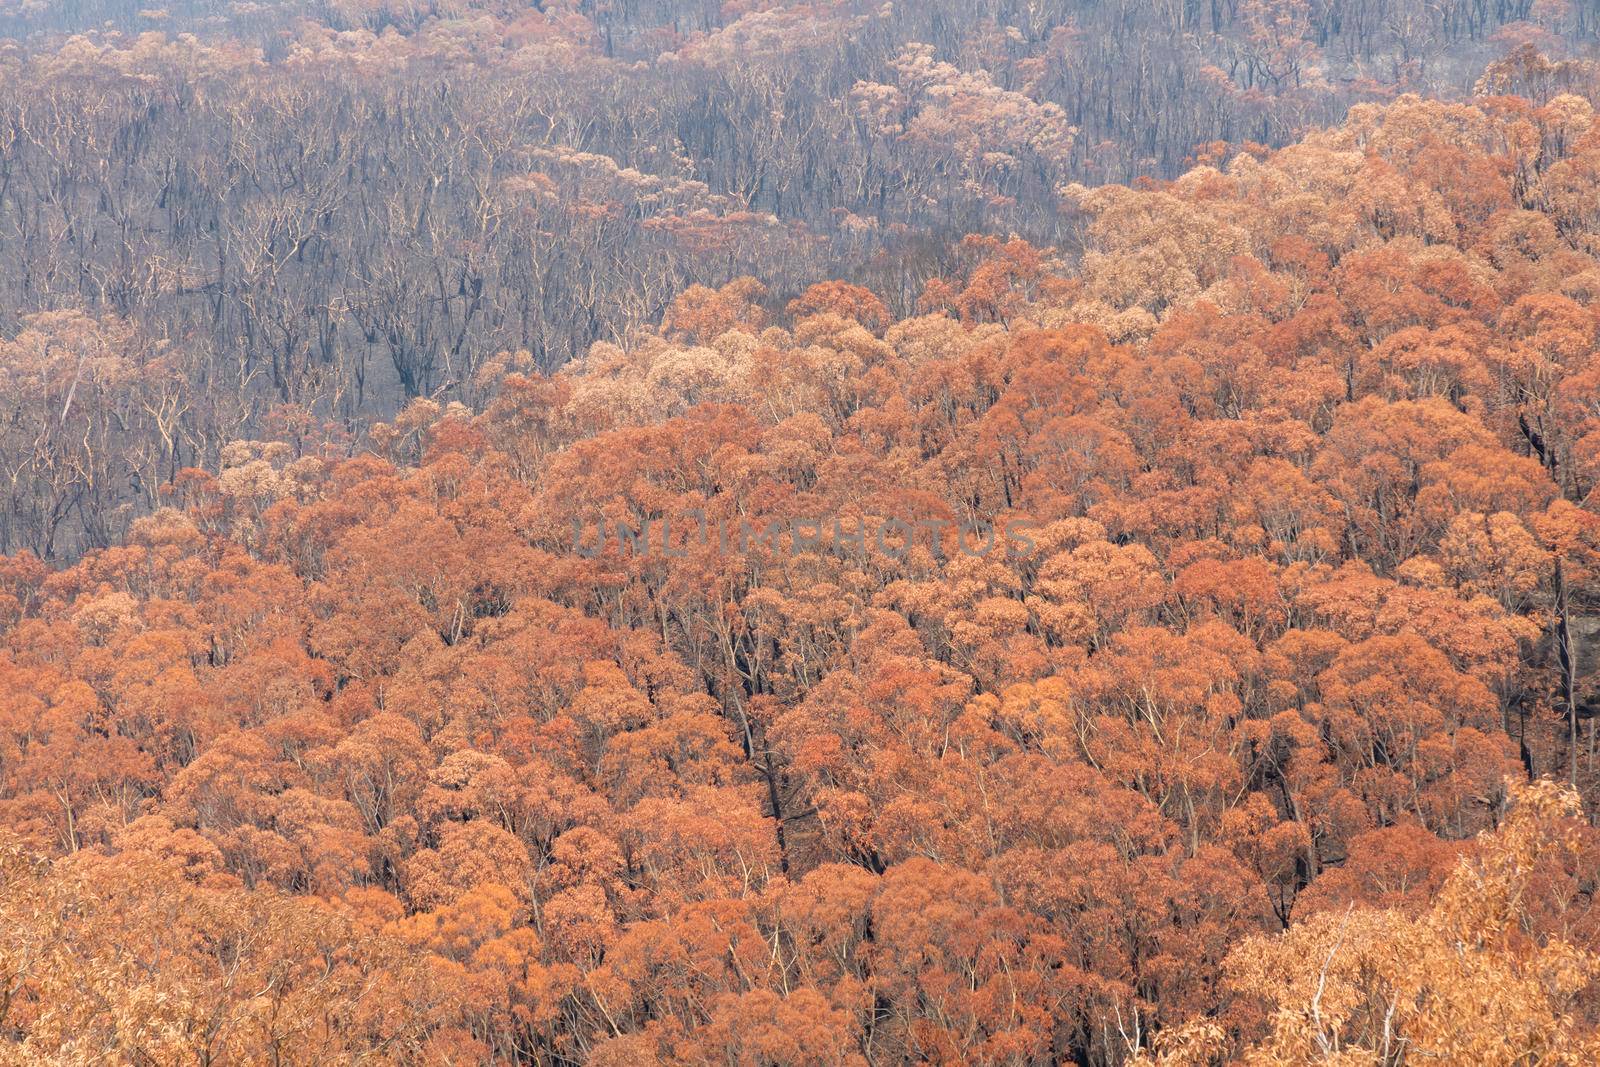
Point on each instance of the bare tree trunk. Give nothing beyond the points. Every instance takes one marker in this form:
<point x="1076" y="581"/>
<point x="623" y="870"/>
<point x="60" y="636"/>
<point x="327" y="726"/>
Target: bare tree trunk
<point x="1569" y="671"/>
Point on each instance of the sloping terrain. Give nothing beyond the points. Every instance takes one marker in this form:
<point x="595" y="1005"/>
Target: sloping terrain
<point x="1214" y="754"/>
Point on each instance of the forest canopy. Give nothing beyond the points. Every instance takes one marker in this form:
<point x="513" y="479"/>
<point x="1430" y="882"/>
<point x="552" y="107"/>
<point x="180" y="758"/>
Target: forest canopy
<point x="330" y="333"/>
<point x="306" y="215"/>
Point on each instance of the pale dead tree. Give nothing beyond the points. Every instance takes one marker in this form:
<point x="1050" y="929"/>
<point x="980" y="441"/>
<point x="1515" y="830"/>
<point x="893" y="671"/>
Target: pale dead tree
<point x="91" y="426"/>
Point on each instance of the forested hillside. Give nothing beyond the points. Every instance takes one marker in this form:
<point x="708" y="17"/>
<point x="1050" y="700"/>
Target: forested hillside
<point x="1264" y="731"/>
<point x="287" y="219"/>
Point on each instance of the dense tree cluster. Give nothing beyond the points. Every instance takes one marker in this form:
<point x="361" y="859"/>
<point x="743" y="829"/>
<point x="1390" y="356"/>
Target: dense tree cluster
<point x="316" y="212"/>
<point x="1252" y="753"/>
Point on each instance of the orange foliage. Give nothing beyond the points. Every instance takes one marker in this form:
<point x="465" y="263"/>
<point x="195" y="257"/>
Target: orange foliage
<point x="1218" y="749"/>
